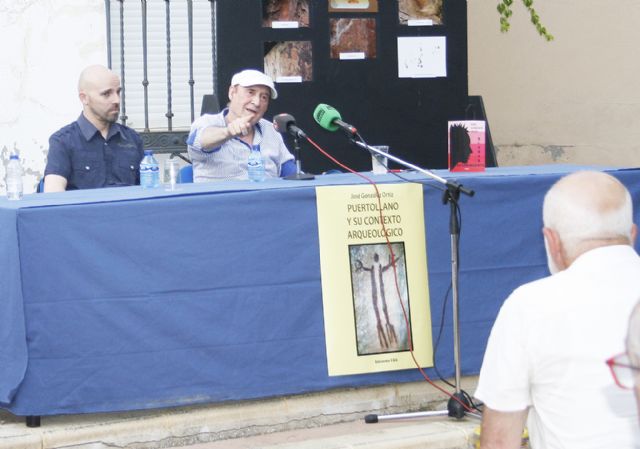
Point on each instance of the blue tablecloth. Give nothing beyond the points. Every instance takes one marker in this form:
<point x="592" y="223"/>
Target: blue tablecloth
<point x="121" y="299"/>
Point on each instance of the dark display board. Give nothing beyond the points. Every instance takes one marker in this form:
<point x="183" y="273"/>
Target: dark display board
<point x="408" y="114"/>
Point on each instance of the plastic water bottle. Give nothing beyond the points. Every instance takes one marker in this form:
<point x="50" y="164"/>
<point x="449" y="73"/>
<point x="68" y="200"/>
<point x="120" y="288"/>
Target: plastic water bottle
<point x="149" y="171"/>
<point x="14" y="177"/>
<point x="255" y="166"/>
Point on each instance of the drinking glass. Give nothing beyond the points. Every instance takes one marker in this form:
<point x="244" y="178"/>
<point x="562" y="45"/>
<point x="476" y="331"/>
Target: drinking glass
<point x="379" y="163"/>
<point x="171" y="173"/>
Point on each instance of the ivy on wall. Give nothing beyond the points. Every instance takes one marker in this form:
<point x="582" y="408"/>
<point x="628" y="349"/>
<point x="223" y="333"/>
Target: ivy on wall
<point x="504" y="8"/>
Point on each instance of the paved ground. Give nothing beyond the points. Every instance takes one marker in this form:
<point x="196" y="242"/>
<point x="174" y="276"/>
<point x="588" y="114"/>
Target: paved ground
<point x="423" y="433"/>
<point x="327" y="420"/>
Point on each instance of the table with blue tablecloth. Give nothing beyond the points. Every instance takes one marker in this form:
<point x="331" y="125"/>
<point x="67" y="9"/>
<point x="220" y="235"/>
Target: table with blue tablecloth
<point x="123" y="298"/>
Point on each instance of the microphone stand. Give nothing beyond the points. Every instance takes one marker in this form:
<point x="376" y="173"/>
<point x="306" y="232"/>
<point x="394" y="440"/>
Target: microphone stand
<point x="455" y="407"/>
<point x="298" y="176"/>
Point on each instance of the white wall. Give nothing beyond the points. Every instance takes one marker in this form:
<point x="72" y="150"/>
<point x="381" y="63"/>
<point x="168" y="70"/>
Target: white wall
<point x="575" y="99"/>
<point x="45" y="45"/>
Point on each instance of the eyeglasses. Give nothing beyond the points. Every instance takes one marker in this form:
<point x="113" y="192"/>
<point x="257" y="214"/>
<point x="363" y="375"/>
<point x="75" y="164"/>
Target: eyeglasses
<point x="623" y="372"/>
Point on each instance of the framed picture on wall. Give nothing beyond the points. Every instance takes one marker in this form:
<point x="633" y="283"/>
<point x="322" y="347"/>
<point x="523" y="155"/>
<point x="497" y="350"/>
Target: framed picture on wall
<point x="288" y="61"/>
<point x="420" y="12"/>
<point x="353" y="5"/>
<point x="422" y="56"/>
<point x="352" y="38"/>
<point x="285" y="13"/>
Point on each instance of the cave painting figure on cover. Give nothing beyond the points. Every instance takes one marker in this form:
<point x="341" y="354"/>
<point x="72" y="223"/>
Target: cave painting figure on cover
<point x="381" y="310"/>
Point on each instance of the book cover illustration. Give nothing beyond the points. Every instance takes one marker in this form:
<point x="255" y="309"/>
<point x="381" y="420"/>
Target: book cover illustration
<point x="381" y="307"/>
<point x="467" y="145"/>
<point x="375" y="294"/>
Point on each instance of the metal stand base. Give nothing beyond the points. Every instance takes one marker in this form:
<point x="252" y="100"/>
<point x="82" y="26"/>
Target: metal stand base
<point x="454" y="410"/>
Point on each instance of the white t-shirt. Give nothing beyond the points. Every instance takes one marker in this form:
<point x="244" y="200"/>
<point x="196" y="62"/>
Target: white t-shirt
<point x="548" y="347"/>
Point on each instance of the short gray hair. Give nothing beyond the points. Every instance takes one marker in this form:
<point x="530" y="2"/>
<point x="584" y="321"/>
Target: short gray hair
<point x="588" y="206"/>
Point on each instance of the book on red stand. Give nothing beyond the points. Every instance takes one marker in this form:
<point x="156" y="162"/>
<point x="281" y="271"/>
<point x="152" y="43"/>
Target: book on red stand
<point x="466" y="145"/>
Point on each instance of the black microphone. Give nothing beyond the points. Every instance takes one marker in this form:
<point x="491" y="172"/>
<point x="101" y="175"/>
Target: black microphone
<point x="329" y="118"/>
<point x="285" y="123"/>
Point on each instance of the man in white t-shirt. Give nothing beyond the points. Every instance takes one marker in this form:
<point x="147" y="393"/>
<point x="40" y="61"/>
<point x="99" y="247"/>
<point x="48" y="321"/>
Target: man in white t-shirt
<point x="545" y="359"/>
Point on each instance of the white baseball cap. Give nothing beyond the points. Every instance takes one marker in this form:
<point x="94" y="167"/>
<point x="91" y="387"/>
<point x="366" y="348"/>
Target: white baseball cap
<point x="252" y="77"/>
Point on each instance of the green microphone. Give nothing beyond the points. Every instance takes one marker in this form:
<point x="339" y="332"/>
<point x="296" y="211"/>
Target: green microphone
<point x="329" y="118"/>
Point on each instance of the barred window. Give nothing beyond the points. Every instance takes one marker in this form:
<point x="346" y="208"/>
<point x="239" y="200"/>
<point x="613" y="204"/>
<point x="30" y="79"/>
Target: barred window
<point x="164" y="52"/>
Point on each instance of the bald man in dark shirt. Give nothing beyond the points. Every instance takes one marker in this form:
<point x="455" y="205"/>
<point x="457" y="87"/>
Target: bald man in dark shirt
<point x="94" y="151"/>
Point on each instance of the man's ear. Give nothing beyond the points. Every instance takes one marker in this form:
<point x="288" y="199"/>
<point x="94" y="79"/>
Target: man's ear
<point x="232" y="91"/>
<point x="634" y="234"/>
<point x="555" y="248"/>
<point x="83" y="97"/>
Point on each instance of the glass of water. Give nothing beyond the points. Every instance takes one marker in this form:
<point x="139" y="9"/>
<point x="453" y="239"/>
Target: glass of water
<point x="378" y="162"/>
<point x="171" y="173"/>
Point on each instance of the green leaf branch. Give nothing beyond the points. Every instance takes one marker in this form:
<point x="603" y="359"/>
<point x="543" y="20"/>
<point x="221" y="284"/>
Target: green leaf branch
<point x="504" y="8"/>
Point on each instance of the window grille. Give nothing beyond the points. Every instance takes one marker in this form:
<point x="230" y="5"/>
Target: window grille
<point x="165" y="54"/>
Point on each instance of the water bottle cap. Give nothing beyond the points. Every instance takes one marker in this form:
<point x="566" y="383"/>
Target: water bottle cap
<point x="148" y="152"/>
<point x="14" y="156"/>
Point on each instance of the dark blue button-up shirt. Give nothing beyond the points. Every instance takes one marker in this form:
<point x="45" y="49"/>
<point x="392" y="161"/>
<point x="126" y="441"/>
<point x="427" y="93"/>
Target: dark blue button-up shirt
<point x="79" y="153"/>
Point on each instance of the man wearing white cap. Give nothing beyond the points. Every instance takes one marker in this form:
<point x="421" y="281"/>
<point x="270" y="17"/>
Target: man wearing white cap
<point x="219" y="144"/>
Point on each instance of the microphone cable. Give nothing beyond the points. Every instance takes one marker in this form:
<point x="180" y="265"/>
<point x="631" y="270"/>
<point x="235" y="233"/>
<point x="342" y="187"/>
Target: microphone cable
<point x="446" y="296"/>
<point x="393" y="263"/>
